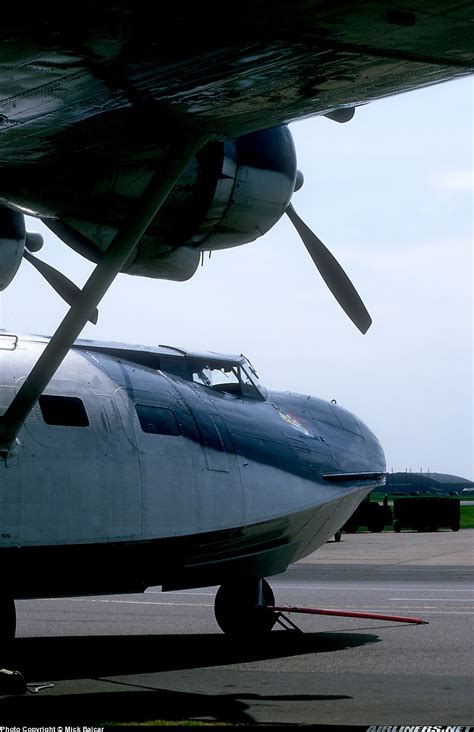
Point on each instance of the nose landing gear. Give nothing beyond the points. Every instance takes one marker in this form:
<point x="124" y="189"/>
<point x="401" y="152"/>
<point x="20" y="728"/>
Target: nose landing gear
<point x="245" y="607"/>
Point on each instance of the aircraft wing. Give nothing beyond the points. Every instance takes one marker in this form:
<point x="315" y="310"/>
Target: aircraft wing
<point x="92" y="100"/>
<point x="85" y="87"/>
<point x="113" y="80"/>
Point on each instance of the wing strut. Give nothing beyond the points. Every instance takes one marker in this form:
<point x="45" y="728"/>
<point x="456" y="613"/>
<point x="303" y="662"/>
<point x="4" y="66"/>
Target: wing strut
<point x="121" y="248"/>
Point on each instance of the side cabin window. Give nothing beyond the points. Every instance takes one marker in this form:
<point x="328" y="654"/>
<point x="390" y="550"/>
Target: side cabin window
<point x="63" y="410"/>
<point x="157" y="420"/>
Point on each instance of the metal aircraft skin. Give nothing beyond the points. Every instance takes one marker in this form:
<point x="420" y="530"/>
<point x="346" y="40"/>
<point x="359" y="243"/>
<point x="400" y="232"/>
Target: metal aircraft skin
<point x="142" y="466"/>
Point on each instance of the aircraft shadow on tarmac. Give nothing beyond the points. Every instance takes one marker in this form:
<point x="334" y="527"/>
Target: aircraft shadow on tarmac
<point x="117" y="707"/>
<point x="46" y="660"/>
<point x="75" y="657"/>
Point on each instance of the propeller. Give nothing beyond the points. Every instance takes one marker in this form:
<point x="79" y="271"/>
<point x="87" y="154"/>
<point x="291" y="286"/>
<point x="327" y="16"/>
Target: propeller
<point x="330" y="269"/>
<point x="63" y="286"/>
<point x="17" y="244"/>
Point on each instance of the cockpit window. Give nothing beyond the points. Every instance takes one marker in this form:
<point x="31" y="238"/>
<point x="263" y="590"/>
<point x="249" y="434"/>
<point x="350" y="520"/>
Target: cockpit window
<point x="202" y="375"/>
<point x="239" y="379"/>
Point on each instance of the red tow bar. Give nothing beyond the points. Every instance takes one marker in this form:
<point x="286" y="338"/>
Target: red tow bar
<point x="347" y="614"/>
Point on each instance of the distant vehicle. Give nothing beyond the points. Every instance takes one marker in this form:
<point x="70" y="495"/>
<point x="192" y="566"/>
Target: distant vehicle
<point x="426" y="514"/>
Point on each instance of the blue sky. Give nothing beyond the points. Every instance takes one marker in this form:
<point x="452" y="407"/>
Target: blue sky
<point x="391" y="194"/>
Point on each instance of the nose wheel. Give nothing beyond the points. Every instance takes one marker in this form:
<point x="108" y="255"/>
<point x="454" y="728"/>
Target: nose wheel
<point x="245" y="607"/>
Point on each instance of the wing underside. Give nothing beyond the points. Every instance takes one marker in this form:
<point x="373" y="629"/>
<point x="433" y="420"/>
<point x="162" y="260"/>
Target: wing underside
<point x="110" y="82"/>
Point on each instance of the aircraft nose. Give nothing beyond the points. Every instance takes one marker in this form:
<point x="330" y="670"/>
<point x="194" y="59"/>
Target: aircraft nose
<point x="359" y="438"/>
<point x="374" y="448"/>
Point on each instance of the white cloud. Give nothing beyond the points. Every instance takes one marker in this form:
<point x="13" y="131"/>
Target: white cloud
<point x="454" y="181"/>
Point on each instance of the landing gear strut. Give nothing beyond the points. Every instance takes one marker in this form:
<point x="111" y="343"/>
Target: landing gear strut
<point x="244" y="607"/>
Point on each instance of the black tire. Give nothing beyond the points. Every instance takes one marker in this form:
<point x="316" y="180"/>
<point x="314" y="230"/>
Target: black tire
<point x="397" y="526"/>
<point x="376" y="517"/>
<point x="375" y="528"/>
<point x="337" y="536"/>
<point x="236" y="611"/>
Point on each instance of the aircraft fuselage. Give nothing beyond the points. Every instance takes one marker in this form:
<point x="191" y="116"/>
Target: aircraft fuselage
<point x="126" y="475"/>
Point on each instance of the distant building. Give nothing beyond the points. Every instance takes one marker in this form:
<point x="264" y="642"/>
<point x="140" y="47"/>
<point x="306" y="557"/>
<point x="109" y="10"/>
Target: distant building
<point x="413" y="483"/>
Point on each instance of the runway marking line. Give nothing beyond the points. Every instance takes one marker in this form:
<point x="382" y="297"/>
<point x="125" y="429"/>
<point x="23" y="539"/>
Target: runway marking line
<point x="431" y="608"/>
<point x="181" y="592"/>
<point x="359" y="589"/>
<point x="431" y="599"/>
<point x="121" y="602"/>
<point x="448" y="612"/>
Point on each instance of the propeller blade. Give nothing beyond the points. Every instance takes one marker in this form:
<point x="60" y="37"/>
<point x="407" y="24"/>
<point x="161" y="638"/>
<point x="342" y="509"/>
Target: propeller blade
<point x="332" y="273"/>
<point x="63" y="286"/>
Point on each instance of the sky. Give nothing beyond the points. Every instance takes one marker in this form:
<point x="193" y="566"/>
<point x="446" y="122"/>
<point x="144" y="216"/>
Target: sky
<point x="391" y="194"/>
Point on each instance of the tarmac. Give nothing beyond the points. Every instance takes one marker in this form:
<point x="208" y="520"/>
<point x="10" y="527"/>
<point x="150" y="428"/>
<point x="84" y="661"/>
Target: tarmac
<point x="132" y="658"/>
<point x="440" y="548"/>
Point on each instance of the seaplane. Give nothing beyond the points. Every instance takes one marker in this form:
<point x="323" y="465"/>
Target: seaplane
<point x="143" y="146"/>
<point x="141" y="466"/>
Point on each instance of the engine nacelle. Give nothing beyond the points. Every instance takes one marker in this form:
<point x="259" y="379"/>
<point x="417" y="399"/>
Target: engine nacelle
<point x="254" y="188"/>
<point x="12" y="244"/>
<point x="231" y="193"/>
